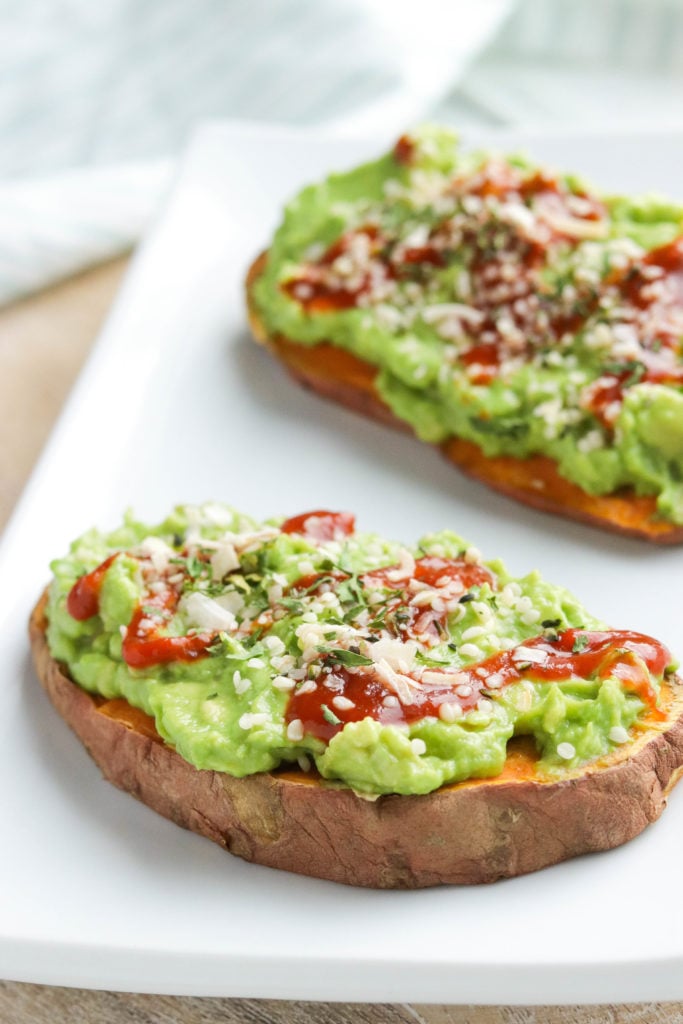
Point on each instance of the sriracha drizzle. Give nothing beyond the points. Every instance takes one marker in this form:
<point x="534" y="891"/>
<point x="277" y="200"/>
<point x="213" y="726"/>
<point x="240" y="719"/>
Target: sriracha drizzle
<point x="83" y="600"/>
<point x="513" y="221"/>
<point x="574" y="653"/>
<point x="617" y="653"/>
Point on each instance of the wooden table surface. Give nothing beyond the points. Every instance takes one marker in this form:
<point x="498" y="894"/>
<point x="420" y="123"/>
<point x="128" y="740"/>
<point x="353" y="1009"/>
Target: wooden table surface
<point x="43" y="342"/>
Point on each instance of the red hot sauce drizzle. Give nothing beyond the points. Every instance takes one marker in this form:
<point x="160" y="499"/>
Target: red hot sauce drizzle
<point x="404" y="150"/>
<point x="321" y="525"/>
<point x="495" y="247"/>
<point x="409" y="621"/>
<point x="575" y="653"/>
<point x="656" y="306"/>
<point x="518" y="315"/>
<point x="83" y="600"/>
<point x="625" y="655"/>
<point x="145" y="643"/>
<point x="321" y="290"/>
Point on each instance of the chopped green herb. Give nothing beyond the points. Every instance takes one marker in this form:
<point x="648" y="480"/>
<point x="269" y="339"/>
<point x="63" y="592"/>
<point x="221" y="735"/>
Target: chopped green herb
<point x="349" y="658"/>
<point x="240" y="583"/>
<point x="330" y="716"/>
<point x="354" y="612"/>
<point x="317" y="583"/>
<point x="195" y="566"/>
<point x="631" y="369"/>
<point x="426" y="659"/>
<point x="580" y="643"/>
<point x="219" y="643"/>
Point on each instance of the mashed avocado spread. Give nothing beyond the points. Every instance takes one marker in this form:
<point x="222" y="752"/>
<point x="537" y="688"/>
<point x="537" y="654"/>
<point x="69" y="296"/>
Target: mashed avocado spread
<point x="503" y="304"/>
<point x="389" y="669"/>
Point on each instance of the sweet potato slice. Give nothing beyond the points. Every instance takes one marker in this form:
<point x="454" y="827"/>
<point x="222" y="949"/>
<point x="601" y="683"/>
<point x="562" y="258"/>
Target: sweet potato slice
<point x="472" y="832"/>
<point x="344" y="378"/>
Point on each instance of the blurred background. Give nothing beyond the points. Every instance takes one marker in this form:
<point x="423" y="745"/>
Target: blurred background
<point x="98" y="99"/>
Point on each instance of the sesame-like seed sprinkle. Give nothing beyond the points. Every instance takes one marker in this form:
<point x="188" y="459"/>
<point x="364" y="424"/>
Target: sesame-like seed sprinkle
<point x="618" y="734"/>
<point x="304" y="762"/>
<point x="418" y="746"/>
<point x="283" y="683"/>
<point x="256" y="663"/>
<point x="281" y="664"/>
<point x="241" y="685"/>
<point x="308" y="687"/>
<point x="342" y="703"/>
<point x="482" y="611"/>
<point x="532" y="654"/>
<point x="449" y="712"/>
<point x="473" y="556"/>
<point x="508" y="595"/>
<point x="566" y="751"/>
<point x="249" y="719"/>
<point x="506" y="643"/>
<point x="473" y="632"/>
<point x="470" y="651"/>
<point x="295" y="730"/>
<point x="464" y="691"/>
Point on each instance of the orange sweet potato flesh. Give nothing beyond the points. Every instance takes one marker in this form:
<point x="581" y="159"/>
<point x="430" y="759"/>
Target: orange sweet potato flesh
<point x="472" y="832"/>
<point x="344" y="378"/>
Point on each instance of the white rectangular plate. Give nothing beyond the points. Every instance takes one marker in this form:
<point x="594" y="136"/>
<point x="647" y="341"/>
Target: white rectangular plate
<point x="176" y="404"/>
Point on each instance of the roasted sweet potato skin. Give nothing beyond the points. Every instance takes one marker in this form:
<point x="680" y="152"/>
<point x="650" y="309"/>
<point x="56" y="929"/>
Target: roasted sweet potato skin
<point x="342" y="377"/>
<point x="473" y="832"/>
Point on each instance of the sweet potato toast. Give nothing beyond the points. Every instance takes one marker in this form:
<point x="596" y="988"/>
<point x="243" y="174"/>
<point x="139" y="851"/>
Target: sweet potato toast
<point x="526" y="323"/>
<point x="472" y="832"/>
<point x="332" y="702"/>
<point x="342" y="377"/>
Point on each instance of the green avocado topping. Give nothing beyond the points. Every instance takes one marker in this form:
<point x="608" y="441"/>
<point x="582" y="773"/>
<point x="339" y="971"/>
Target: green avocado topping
<point x="502" y="304"/>
<point x="386" y="668"/>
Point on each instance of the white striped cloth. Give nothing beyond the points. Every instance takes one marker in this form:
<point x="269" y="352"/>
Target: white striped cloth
<point x="94" y="84"/>
<point x="115" y="88"/>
